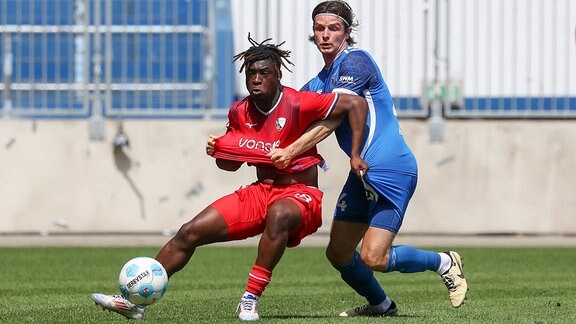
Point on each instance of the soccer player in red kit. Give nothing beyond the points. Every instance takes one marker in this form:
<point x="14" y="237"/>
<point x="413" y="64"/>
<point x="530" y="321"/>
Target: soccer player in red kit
<point x="284" y="205"/>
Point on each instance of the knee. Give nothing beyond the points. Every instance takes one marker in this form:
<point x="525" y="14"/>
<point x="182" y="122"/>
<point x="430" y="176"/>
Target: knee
<point x="374" y="260"/>
<point x="186" y="237"/>
<point x="337" y="257"/>
<point x="281" y="221"/>
<point x="330" y="255"/>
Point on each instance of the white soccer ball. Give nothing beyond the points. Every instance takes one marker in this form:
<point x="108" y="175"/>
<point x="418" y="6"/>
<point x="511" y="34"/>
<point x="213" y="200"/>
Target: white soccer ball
<point x="143" y="281"/>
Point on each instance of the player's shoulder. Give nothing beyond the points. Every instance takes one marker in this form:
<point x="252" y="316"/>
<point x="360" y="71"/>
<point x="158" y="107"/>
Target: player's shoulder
<point x="239" y="104"/>
<point x="354" y="54"/>
<point x="357" y="62"/>
<point x="356" y="50"/>
<point x="313" y="84"/>
<point x="288" y="91"/>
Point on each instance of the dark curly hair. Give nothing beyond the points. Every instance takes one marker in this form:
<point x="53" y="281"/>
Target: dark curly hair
<point x="263" y="51"/>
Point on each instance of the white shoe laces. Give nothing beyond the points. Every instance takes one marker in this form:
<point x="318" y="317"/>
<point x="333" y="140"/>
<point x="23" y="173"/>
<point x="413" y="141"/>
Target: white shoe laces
<point x="247" y="304"/>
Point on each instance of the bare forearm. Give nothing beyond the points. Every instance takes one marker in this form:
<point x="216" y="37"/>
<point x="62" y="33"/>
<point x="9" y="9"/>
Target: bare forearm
<point x="357" y="119"/>
<point x="315" y="134"/>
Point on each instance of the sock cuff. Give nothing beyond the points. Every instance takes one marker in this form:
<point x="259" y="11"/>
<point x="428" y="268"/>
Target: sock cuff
<point x="391" y="259"/>
<point x="260" y="273"/>
<point x="350" y="264"/>
<point x="258" y="279"/>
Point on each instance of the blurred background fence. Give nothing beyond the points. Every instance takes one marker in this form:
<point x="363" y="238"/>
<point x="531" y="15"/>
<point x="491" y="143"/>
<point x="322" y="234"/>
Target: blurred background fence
<point x="173" y="58"/>
<point x="80" y="58"/>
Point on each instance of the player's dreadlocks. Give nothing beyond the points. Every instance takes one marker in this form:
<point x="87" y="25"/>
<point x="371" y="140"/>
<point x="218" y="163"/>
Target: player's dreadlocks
<point x="262" y="51"/>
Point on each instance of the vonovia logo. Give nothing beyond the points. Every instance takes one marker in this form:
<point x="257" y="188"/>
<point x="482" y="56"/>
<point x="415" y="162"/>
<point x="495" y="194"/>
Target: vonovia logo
<point x="280" y="122"/>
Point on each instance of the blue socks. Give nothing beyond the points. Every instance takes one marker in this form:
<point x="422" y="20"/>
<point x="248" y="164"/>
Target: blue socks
<point x="403" y="258"/>
<point x="407" y="259"/>
<point x="362" y="280"/>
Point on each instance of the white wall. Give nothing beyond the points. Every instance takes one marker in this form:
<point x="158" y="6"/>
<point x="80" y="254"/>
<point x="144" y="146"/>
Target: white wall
<point x="486" y="177"/>
<point x="495" y="48"/>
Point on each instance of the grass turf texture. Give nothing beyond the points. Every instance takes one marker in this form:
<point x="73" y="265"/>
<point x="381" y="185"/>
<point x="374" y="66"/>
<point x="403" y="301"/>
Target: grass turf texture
<point x="507" y="285"/>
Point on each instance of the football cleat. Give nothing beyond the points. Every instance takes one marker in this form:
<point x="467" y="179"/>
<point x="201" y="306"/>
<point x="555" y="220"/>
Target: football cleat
<point x="248" y="309"/>
<point x="455" y="281"/>
<point x="367" y="310"/>
<point x="118" y="304"/>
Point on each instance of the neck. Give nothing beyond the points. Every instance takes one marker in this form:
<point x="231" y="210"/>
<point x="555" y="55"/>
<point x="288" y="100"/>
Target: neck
<point x="328" y="61"/>
<point x="329" y="58"/>
<point x="265" y="104"/>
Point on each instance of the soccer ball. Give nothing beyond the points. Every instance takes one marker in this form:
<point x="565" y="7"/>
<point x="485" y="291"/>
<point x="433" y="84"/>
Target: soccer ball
<point x="143" y="281"/>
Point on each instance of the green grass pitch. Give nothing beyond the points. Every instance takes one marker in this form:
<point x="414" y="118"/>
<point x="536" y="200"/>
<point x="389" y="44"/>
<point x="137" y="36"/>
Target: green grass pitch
<point x="507" y="285"/>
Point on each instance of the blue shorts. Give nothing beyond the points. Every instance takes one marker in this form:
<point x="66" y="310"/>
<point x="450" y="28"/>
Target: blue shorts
<point x="360" y="202"/>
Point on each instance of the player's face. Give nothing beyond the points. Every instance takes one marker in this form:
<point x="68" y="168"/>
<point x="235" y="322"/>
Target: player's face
<point x="262" y="79"/>
<point x="330" y="34"/>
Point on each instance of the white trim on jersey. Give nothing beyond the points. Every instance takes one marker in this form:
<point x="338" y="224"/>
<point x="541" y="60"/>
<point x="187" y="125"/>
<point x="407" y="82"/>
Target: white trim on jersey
<point x="331" y="106"/>
<point x="344" y="90"/>
<point x="266" y="113"/>
<point x="371" y="113"/>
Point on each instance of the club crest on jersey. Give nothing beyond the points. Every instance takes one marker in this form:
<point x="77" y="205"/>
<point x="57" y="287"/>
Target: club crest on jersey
<point x="280" y="122"/>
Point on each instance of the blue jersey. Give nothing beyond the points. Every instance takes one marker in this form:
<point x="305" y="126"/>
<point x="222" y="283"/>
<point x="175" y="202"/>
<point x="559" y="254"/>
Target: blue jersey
<point x="385" y="150"/>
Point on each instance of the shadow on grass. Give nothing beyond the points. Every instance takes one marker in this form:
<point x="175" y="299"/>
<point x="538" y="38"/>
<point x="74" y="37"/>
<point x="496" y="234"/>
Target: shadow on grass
<point x="329" y="316"/>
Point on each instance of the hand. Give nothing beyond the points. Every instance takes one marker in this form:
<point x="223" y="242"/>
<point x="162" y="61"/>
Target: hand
<point x="358" y="166"/>
<point x="280" y="157"/>
<point x="210" y="145"/>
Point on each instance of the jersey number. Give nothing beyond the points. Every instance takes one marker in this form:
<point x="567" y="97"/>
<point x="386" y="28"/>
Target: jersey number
<point x="342" y="202"/>
<point x="304" y="197"/>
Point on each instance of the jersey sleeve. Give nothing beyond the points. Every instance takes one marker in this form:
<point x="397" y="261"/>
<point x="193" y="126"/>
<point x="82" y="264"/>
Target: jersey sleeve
<point x="306" y="87"/>
<point x="233" y="118"/>
<point x="315" y="106"/>
<point x="357" y="70"/>
<point x="314" y="85"/>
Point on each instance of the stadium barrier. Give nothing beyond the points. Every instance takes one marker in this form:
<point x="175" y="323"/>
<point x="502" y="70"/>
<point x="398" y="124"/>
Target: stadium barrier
<point x="150" y="176"/>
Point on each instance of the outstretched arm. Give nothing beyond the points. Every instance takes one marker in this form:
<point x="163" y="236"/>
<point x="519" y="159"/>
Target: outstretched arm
<point x="356" y="108"/>
<point x="316" y="133"/>
<point x="352" y="105"/>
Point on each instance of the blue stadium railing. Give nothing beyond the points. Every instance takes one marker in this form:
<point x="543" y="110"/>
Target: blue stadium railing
<point x="158" y="57"/>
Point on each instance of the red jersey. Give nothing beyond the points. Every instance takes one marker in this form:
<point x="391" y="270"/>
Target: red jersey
<point x="251" y="133"/>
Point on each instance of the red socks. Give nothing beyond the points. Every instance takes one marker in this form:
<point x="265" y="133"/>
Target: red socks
<point x="258" y="279"/>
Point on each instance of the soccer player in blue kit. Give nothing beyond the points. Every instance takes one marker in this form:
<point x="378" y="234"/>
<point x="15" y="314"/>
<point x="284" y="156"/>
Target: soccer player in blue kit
<point x="370" y="208"/>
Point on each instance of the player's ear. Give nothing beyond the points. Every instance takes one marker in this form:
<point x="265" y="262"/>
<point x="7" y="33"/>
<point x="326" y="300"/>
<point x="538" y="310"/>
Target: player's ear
<point x="279" y="74"/>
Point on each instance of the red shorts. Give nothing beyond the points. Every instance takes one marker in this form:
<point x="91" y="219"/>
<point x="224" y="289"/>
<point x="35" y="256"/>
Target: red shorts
<point x="245" y="210"/>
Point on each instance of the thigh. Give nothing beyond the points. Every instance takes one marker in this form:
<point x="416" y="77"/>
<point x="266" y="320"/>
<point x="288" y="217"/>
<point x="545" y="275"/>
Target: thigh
<point x="344" y="239"/>
<point x="377" y="242"/>
<point x="352" y="205"/>
<point x="244" y="212"/>
<point x="205" y="228"/>
<point x="305" y="204"/>
<point x="386" y="215"/>
<point x="396" y="187"/>
<point x="283" y="216"/>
